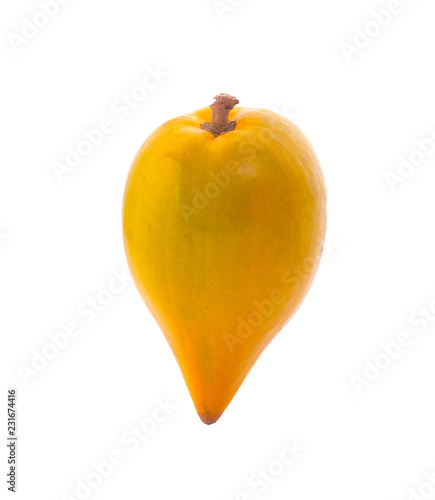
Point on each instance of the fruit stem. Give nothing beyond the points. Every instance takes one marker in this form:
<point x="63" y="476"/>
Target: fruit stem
<point x="220" y="110"/>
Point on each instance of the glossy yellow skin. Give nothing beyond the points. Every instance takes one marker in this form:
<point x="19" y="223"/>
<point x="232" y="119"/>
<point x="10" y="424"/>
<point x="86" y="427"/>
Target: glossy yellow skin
<point x="222" y="273"/>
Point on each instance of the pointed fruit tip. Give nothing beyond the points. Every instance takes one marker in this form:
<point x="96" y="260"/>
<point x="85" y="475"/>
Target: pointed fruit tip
<point x="209" y="419"/>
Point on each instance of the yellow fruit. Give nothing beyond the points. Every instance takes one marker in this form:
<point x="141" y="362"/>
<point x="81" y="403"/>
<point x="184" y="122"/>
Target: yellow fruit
<point x="224" y="223"/>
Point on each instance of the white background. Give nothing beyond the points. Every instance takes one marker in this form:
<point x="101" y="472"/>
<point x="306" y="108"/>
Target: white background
<point x="61" y="242"/>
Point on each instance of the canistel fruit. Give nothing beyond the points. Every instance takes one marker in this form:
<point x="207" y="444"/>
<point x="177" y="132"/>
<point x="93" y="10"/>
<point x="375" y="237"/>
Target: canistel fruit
<point x="224" y="221"/>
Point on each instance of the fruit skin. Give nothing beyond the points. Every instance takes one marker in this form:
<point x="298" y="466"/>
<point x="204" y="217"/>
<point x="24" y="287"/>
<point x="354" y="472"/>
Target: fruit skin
<point x="223" y="276"/>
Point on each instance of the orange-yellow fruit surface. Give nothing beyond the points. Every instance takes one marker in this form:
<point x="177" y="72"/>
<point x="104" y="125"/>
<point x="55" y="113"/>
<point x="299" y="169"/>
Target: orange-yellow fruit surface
<point x="223" y="236"/>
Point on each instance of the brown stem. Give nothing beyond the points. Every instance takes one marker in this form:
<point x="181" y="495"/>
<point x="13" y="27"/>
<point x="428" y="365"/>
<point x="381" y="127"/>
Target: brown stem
<point x="220" y="110"/>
